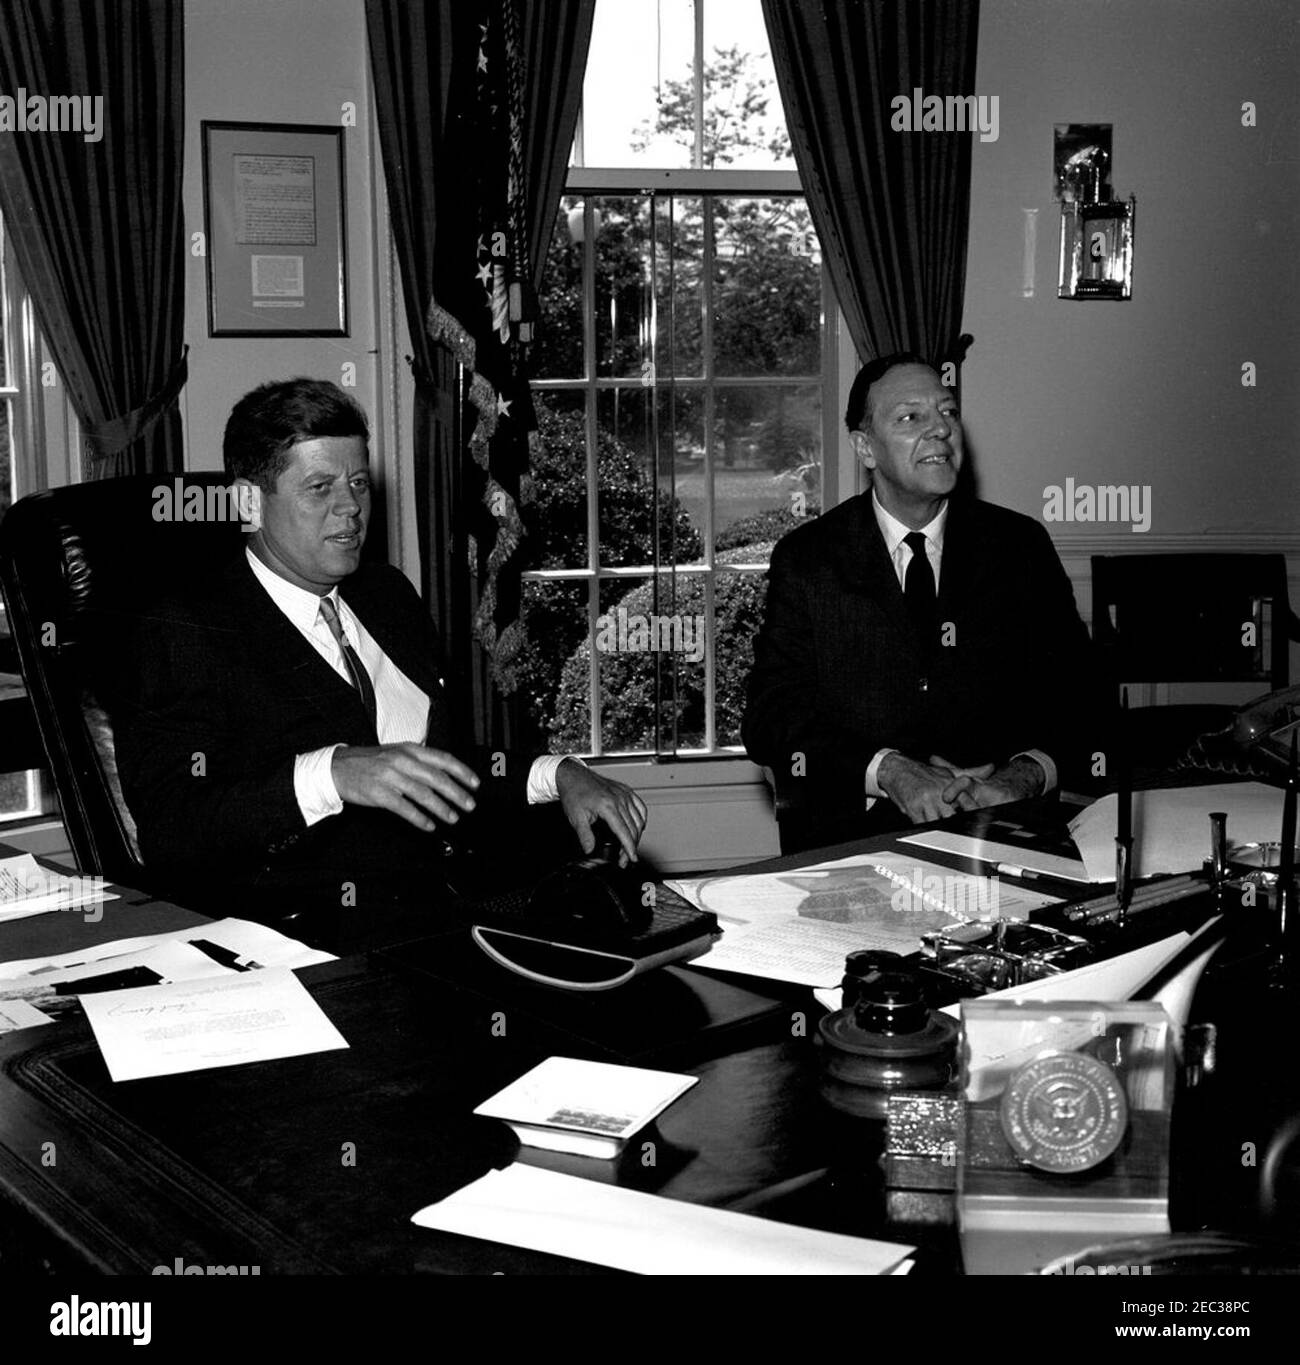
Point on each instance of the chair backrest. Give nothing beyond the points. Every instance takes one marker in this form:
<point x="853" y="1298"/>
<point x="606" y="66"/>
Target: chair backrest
<point x="1192" y="618"/>
<point x="78" y="566"/>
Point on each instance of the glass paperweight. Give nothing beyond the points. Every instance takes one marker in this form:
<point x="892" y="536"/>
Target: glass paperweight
<point x="1065" y="1132"/>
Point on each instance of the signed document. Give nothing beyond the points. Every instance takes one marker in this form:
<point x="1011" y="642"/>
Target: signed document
<point x="194" y="1025"/>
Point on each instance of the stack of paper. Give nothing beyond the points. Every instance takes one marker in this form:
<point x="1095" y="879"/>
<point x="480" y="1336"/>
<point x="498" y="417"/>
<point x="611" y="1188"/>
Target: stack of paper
<point x="222" y="948"/>
<point x="27" y="888"/>
<point x="798" y="926"/>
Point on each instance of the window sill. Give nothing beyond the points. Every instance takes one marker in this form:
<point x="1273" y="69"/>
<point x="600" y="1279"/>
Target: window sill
<point x="648" y="774"/>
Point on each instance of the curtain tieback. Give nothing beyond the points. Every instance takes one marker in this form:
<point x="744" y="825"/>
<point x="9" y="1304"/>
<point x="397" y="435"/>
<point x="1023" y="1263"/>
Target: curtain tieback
<point x="108" y="438"/>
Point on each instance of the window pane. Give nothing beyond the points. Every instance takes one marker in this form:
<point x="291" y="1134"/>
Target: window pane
<point x="4" y="300"/>
<point x="767" y="460"/>
<point x="650" y="650"/>
<point x="627" y="496"/>
<point x="638" y="94"/>
<point x="15" y="795"/>
<point x="6" y="458"/>
<point x="640" y="49"/>
<point x="624" y="296"/>
<point x="557" y="517"/>
<point x="555" y="668"/>
<point x="767" y="294"/>
<point x="679" y="280"/>
<point x="738" y="613"/>
<point x="557" y="352"/>
<point x="681" y="416"/>
<point x="744" y="123"/>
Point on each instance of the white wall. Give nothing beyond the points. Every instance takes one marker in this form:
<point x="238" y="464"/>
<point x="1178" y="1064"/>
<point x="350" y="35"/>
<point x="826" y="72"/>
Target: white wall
<point x="1147" y="391"/>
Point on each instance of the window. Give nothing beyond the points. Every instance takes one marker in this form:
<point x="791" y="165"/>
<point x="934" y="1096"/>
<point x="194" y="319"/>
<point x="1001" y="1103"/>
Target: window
<point x="22" y="794"/>
<point x="681" y="384"/>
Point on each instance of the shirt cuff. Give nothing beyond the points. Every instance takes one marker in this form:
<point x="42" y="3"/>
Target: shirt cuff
<point x="873" y="787"/>
<point x="1044" y="761"/>
<point x="541" y="778"/>
<point x="313" y="785"/>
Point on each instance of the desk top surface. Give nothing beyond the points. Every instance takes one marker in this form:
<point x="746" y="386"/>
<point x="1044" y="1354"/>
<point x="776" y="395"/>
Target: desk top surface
<point x="325" y="1178"/>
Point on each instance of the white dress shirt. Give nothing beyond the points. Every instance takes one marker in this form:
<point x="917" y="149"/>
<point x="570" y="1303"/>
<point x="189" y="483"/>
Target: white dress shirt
<point x="402" y="708"/>
<point x="900" y="553"/>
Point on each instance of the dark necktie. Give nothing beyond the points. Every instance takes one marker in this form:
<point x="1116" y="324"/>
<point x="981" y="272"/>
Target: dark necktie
<point x="918" y="589"/>
<point x="356" y="669"/>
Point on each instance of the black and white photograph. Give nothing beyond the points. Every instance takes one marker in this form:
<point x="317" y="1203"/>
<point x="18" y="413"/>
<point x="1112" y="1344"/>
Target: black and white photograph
<point x="648" y="638"/>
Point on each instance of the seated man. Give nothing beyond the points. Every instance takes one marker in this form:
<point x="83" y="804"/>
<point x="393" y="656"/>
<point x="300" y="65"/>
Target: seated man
<point x="290" y="747"/>
<point x="921" y="653"/>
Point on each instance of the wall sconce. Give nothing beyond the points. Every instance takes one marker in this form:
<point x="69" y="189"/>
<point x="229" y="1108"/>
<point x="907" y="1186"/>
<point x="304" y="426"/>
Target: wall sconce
<point x="1096" y="229"/>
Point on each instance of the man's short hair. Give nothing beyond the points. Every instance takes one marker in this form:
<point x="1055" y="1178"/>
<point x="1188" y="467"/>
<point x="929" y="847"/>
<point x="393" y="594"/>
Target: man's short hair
<point x="857" y="414"/>
<point x="268" y="422"/>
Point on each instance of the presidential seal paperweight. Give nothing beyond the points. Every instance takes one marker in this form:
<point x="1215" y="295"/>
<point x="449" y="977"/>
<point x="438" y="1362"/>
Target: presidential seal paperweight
<point x="1065" y="1128"/>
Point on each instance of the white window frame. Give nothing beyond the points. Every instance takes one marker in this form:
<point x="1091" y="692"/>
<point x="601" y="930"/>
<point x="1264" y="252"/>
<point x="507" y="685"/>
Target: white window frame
<point x="592" y="182"/>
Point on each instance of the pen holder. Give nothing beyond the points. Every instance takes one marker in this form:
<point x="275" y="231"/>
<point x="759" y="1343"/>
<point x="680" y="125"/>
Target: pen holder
<point x="888" y="1040"/>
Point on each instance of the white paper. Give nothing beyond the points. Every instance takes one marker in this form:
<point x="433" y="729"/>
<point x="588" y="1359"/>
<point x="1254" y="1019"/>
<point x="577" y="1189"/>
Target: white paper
<point x="255" y="944"/>
<point x="798" y="926"/>
<point x="1171" y="826"/>
<point x="16" y="1014"/>
<point x="27" y="888"/>
<point x="588" y="1097"/>
<point x="627" y="1229"/>
<point x="195" y="1025"/>
<point x="1017" y="855"/>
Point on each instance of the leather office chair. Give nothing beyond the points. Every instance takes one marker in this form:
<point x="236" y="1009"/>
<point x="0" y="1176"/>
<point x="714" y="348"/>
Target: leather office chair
<point x="1184" y="618"/>
<point x="77" y="564"/>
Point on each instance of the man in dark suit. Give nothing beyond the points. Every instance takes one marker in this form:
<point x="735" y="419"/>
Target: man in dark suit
<point x="290" y="747"/>
<point x="921" y="653"/>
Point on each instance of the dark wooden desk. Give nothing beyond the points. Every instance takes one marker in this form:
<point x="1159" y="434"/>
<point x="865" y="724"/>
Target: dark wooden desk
<point x="315" y="1164"/>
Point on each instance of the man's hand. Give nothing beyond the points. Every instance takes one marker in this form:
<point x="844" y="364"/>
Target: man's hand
<point x="424" y="786"/>
<point x="974" y="788"/>
<point x="923" y="791"/>
<point x="587" y="797"/>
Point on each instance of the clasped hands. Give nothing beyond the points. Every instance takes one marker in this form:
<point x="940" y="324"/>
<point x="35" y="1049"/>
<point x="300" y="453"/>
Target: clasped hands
<point x="430" y="787"/>
<point x="935" y="790"/>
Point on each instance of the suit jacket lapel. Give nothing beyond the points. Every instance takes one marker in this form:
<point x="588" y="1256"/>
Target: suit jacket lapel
<point x="307" y="675"/>
<point x="865" y="565"/>
<point x="962" y="564"/>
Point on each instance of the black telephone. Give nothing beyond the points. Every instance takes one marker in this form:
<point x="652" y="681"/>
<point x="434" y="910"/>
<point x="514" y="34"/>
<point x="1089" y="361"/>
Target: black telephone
<point x="1258" y="742"/>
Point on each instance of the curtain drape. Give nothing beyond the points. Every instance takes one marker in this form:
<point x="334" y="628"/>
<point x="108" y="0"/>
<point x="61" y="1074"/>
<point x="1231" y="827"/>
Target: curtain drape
<point x="891" y="207"/>
<point x="477" y="104"/>
<point x="95" y="215"/>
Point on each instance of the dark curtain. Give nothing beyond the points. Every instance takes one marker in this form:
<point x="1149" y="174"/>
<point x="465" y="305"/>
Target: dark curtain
<point x="96" y="225"/>
<point x="444" y="123"/>
<point x="891" y="207"/>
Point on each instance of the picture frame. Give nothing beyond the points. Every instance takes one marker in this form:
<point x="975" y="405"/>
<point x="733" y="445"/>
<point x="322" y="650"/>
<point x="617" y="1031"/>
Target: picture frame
<point x="274" y="214"/>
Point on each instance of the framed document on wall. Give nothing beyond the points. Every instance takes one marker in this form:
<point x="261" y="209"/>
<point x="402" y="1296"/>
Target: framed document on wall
<point x="273" y="209"/>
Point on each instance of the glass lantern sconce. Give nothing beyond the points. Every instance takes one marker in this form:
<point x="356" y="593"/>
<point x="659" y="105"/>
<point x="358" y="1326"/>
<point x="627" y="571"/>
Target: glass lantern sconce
<point x="1096" y="229"/>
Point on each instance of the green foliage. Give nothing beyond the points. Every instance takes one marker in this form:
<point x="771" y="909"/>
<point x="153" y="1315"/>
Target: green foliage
<point x="556" y="620"/>
<point x="736" y="104"/>
<point x="627" y="680"/>
<point x="768" y="526"/>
